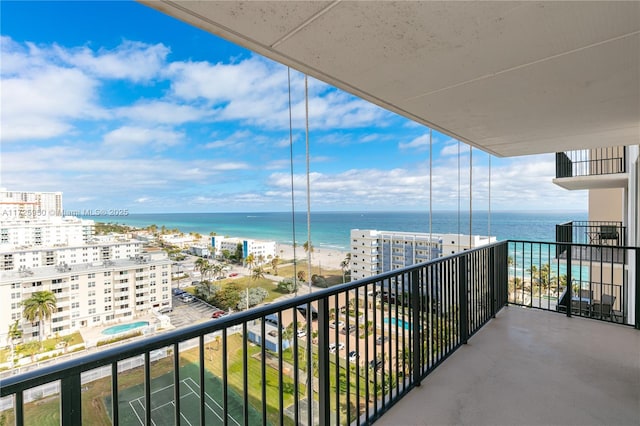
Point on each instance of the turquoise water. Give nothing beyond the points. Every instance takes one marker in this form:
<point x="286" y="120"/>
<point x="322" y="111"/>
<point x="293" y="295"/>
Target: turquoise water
<point x="398" y="322"/>
<point x="121" y="328"/>
<point x="332" y="229"/>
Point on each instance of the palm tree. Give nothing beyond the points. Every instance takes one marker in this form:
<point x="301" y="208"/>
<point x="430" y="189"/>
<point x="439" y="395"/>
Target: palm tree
<point x="274" y="264"/>
<point x="39" y="307"/>
<point x="257" y="273"/>
<point x="344" y="265"/>
<point x="307" y="247"/>
<point x="250" y="260"/>
<point x="14" y="334"/>
<point x="202" y="265"/>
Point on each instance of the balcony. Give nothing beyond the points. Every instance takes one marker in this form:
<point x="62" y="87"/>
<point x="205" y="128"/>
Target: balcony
<point x="592" y="168"/>
<point x="274" y="365"/>
<point x="529" y="367"/>
<point x="600" y="240"/>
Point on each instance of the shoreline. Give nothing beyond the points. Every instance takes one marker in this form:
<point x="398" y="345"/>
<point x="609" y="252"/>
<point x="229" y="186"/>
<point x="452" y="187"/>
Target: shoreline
<point x="327" y="258"/>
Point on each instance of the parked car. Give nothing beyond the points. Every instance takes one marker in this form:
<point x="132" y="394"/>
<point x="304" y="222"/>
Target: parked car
<point x="333" y="347"/>
<point x="302" y="332"/>
<point x="186" y="298"/>
<point x="165" y="310"/>
<point x="218" y="314"/>
<point x="375" y="363"/>
<point x="380" y="340"/>
<point x="351" y="328"/>
<point x="233" y="274"/>
<point x="303" y="310"/>
<point x="177" y="291"/>
<point x="333" y="324"/>
<point x="353" y="356"/>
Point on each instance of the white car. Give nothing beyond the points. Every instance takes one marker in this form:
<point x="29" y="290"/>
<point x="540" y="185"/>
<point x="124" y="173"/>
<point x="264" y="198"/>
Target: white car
<point x="353" y="356"/>
<point x="340" y="324"/>
<point x="186" y="298"/>
<point x="302" y="332"/>
<point x="332" y="347"/>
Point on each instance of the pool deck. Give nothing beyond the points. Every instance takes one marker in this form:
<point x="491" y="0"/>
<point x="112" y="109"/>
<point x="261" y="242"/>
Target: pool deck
<point x="92" y="335"/>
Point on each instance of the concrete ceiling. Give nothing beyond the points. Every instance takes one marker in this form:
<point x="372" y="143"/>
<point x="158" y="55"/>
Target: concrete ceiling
<point x="511" y="78"/>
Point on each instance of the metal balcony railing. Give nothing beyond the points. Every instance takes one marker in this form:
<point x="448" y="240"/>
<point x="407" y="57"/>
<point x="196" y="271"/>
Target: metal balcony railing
<point x="573" y="278"/>
<point x="344" y="359"/>
<point x="594" y="233"/>
<point x="591" y="162"/>
<point x="342" y="355"/>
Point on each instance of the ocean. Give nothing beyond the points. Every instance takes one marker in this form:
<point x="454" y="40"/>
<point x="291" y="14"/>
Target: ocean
<point x="332" y="229"/>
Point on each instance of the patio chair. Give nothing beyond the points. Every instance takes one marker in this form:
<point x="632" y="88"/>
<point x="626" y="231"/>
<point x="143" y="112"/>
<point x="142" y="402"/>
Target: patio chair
<point x="603" y="309"/>
<point x="608" y="233"/>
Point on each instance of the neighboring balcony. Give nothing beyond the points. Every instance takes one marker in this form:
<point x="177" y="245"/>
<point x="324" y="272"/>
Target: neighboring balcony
<point x="348" y="354"/>
<point x="596" y="168"/>
<point x="598" y="241"/>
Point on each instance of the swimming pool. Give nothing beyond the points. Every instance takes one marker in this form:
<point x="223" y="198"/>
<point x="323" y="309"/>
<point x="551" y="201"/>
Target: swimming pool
<point x="399" y="323"/>
<point x="121" y="328"/>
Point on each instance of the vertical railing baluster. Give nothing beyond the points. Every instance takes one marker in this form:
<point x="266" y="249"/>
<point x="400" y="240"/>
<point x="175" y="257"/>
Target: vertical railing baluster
<point x="201" y="378"/>
<point x="280" y="365"/>
<point x="415" y="311"/>
<point x="147" y="388"/>
<point x="245" y="376"/>
<point x="569" y="286"/>
<point x="462" y="288"/>
<point x="176" y="384"/>
<point x="114" y="393"/>
<point x="225" y="379"/>
<point x="19" y="407"/>
<point x="70" y="389"/>
<point x="263" y="371"/>
<point x="296" y="378"/>
<point x="324" y="387"/>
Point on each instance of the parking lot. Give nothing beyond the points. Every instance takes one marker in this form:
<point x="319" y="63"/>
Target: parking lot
<point x="189" y="313"/>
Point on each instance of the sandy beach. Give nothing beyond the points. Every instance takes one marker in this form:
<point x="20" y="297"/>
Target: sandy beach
<point x="328" y="258"/>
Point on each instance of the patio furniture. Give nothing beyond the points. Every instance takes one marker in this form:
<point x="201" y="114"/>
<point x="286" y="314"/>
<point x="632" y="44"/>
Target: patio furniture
<point x="603" y="308"/>
<point x="608" y="233"/>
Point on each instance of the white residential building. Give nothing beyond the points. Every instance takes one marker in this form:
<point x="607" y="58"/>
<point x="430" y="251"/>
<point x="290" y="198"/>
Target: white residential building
<point x="96" y="279"/>
<point x="52" y="231"/>
<point x="182" y="241"/>
<point x="29" y="205"/>
<point x="95" y="251"/>
<point x="374" y="252"/>
<point x="259" y="249"/>
<point x="87" y="294"/>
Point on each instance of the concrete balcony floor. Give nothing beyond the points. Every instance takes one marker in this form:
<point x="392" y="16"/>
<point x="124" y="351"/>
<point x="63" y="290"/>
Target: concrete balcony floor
<point x="529" y="367"/>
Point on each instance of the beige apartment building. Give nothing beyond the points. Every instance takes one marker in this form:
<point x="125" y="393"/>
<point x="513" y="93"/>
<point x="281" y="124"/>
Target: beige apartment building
<point x="88" y="294"/>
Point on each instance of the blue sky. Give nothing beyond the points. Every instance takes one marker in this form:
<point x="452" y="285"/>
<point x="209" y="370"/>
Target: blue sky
<point x="121" y="107"/>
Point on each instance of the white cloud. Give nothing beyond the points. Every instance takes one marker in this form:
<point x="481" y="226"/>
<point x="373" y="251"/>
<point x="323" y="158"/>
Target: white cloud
<point x="162" y="112"/>
<point x="129" y="138"/>
<point x="42" y="103"/>
<point x="421" y="143"/>
<point x="256" y="91"/>
<point x="130" y="60"/>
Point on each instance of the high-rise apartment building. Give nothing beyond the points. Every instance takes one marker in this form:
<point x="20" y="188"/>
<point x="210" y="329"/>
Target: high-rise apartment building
<point x="374" y="252"/>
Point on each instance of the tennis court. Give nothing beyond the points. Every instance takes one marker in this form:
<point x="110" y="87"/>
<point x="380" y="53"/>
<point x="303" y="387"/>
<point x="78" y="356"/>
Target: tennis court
<point x="132" y="410"/>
